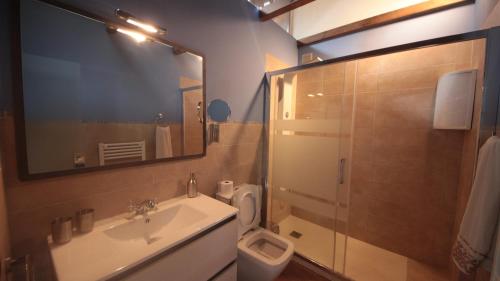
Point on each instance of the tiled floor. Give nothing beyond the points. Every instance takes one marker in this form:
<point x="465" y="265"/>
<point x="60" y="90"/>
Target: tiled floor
<point x="296" y="272"/>
<point x="362" y="261"/>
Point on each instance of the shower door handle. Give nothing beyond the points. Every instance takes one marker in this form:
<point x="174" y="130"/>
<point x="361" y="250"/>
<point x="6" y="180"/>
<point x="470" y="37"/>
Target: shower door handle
<point x="341" y="170"/>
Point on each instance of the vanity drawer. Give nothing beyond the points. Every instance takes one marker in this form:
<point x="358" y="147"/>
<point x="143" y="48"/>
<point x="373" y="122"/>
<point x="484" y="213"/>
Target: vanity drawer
<point x="229" y="274"/>
<point x="199" y="260"/>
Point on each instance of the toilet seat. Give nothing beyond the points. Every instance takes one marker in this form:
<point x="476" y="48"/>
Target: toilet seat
<point x="244" y="246"/>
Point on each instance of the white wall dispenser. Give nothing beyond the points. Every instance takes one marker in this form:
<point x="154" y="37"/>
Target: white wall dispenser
<point x="455" y="100"/>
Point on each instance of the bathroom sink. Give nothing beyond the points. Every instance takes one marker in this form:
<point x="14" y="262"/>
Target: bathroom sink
<point x="120" y="243"/>
<point x="156" y="225"/>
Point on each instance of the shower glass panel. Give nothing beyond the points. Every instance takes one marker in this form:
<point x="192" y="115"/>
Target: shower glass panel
<point x="392" y="210"/>
<point x="310" y="122"/>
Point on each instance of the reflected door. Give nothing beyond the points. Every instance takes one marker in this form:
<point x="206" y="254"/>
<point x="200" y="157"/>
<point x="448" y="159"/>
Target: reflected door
<point x="192" y="113"/>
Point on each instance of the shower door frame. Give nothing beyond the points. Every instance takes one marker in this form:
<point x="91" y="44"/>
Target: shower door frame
<point x="474" y="35"/>
<point x="479" y="34"/>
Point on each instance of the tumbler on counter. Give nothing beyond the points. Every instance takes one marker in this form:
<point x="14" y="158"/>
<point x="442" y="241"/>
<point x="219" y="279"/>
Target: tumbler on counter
<point x="62" y="230"/>
<point x="85" y="220"/>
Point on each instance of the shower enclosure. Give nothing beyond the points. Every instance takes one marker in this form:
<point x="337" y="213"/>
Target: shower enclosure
<point x="358" y="179"/>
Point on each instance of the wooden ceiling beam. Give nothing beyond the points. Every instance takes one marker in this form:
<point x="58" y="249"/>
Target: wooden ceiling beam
<point x="292" y="6"/>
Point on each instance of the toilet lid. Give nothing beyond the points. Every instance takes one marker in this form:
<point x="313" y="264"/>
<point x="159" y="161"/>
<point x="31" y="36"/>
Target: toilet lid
<point x="247" y="198"/>
<point x="247" y="206"/>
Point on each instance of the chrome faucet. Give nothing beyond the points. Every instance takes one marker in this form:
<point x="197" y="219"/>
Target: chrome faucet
<point x="142" y="208"/>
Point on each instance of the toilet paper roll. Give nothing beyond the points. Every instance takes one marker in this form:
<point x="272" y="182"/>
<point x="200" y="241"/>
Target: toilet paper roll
<point x="225" y="187"/>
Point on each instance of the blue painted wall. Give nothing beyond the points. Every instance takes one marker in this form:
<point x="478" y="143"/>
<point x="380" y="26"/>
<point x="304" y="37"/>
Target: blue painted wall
<point x="227" y="32"/>
<point x="73" y="69"/>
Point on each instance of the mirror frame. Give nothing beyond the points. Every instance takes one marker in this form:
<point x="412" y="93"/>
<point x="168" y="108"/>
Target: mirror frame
<point x="18" y="98"/>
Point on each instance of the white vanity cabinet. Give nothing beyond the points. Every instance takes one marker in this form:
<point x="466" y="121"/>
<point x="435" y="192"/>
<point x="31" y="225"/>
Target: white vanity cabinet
<point x="228" y="274"/>
<point x="209" y="257"/>
<point x="186" y="239"/>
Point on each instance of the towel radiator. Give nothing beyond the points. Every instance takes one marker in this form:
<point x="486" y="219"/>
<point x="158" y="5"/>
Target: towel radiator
<point x="124" y="150"/>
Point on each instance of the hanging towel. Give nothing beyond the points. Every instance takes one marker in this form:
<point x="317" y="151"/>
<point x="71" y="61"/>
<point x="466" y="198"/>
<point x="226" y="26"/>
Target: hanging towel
<point x="163" y="142"/>
<point x="480" y="220"/>
<point x="495" y="272"/>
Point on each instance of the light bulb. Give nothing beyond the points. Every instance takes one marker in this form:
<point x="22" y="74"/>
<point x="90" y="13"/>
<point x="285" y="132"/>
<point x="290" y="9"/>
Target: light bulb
<point x="135" y="35"/>
<point x="147" y="27"/>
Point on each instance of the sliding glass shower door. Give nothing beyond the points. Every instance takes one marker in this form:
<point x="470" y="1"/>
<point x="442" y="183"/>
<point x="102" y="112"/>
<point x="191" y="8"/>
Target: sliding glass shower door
<point x="359" y="179"/>
<point x="309" y="143"/>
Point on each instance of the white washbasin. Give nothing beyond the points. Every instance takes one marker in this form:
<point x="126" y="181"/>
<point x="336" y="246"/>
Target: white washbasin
<point x="158" y="224"/>
<point x="117" y="244"/>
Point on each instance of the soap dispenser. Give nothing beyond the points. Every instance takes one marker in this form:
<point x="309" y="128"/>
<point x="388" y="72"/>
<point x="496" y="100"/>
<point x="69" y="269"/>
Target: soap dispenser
<point x="192" y="186"/>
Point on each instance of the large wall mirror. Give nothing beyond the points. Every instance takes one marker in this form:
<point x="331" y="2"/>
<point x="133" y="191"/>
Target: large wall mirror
<point x="97" y="94"/>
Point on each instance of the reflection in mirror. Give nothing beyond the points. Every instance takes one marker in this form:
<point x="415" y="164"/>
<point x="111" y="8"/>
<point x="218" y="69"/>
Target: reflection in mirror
<point x="219" y="111"/>
<point x="93" y="96"/>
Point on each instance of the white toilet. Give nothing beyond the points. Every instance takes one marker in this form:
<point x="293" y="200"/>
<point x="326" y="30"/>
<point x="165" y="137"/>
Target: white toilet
<point x="262" y="255"/>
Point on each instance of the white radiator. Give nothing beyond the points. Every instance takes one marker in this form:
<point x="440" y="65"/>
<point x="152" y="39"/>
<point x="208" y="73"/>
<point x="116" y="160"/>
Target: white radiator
<point x="124" y="150"/>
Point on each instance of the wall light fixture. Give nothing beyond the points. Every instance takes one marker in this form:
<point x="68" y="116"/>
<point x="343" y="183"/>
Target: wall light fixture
<point x="129" y="18"/>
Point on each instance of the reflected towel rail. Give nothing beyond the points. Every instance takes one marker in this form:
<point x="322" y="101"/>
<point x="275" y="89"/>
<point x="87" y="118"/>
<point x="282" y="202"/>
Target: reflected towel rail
<point x="125" y="150"/>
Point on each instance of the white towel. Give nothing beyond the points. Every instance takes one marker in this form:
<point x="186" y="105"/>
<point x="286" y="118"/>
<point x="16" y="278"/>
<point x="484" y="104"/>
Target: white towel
<point x="163" y="142"/>
<point x="481" y="215"/>
<point x="495" y="272"/>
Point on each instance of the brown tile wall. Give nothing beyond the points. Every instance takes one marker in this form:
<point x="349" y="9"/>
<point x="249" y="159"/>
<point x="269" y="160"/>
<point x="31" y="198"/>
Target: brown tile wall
<point x="32" y="204"/>
<point x="405" y="174"/>
<point x="417" y="271"/>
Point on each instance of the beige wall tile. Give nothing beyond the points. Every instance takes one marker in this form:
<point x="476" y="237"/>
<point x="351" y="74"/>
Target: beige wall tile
<point x="334" y="70"/>
<point x="314" y="87"/>
<point x="417" y="271"/>
<point x="32" y="204"/>
<point x="425" y="57"/>
<point x="237" y="133"/>
<point x="279" y="210"/>
<point x="367" y="83"/>
<point x="370" y="65"/>
<point x="350" y="76"/>
<point x="364" y="111"/>
<point x="417" y="78"/>
<point x="310" y="75"/>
